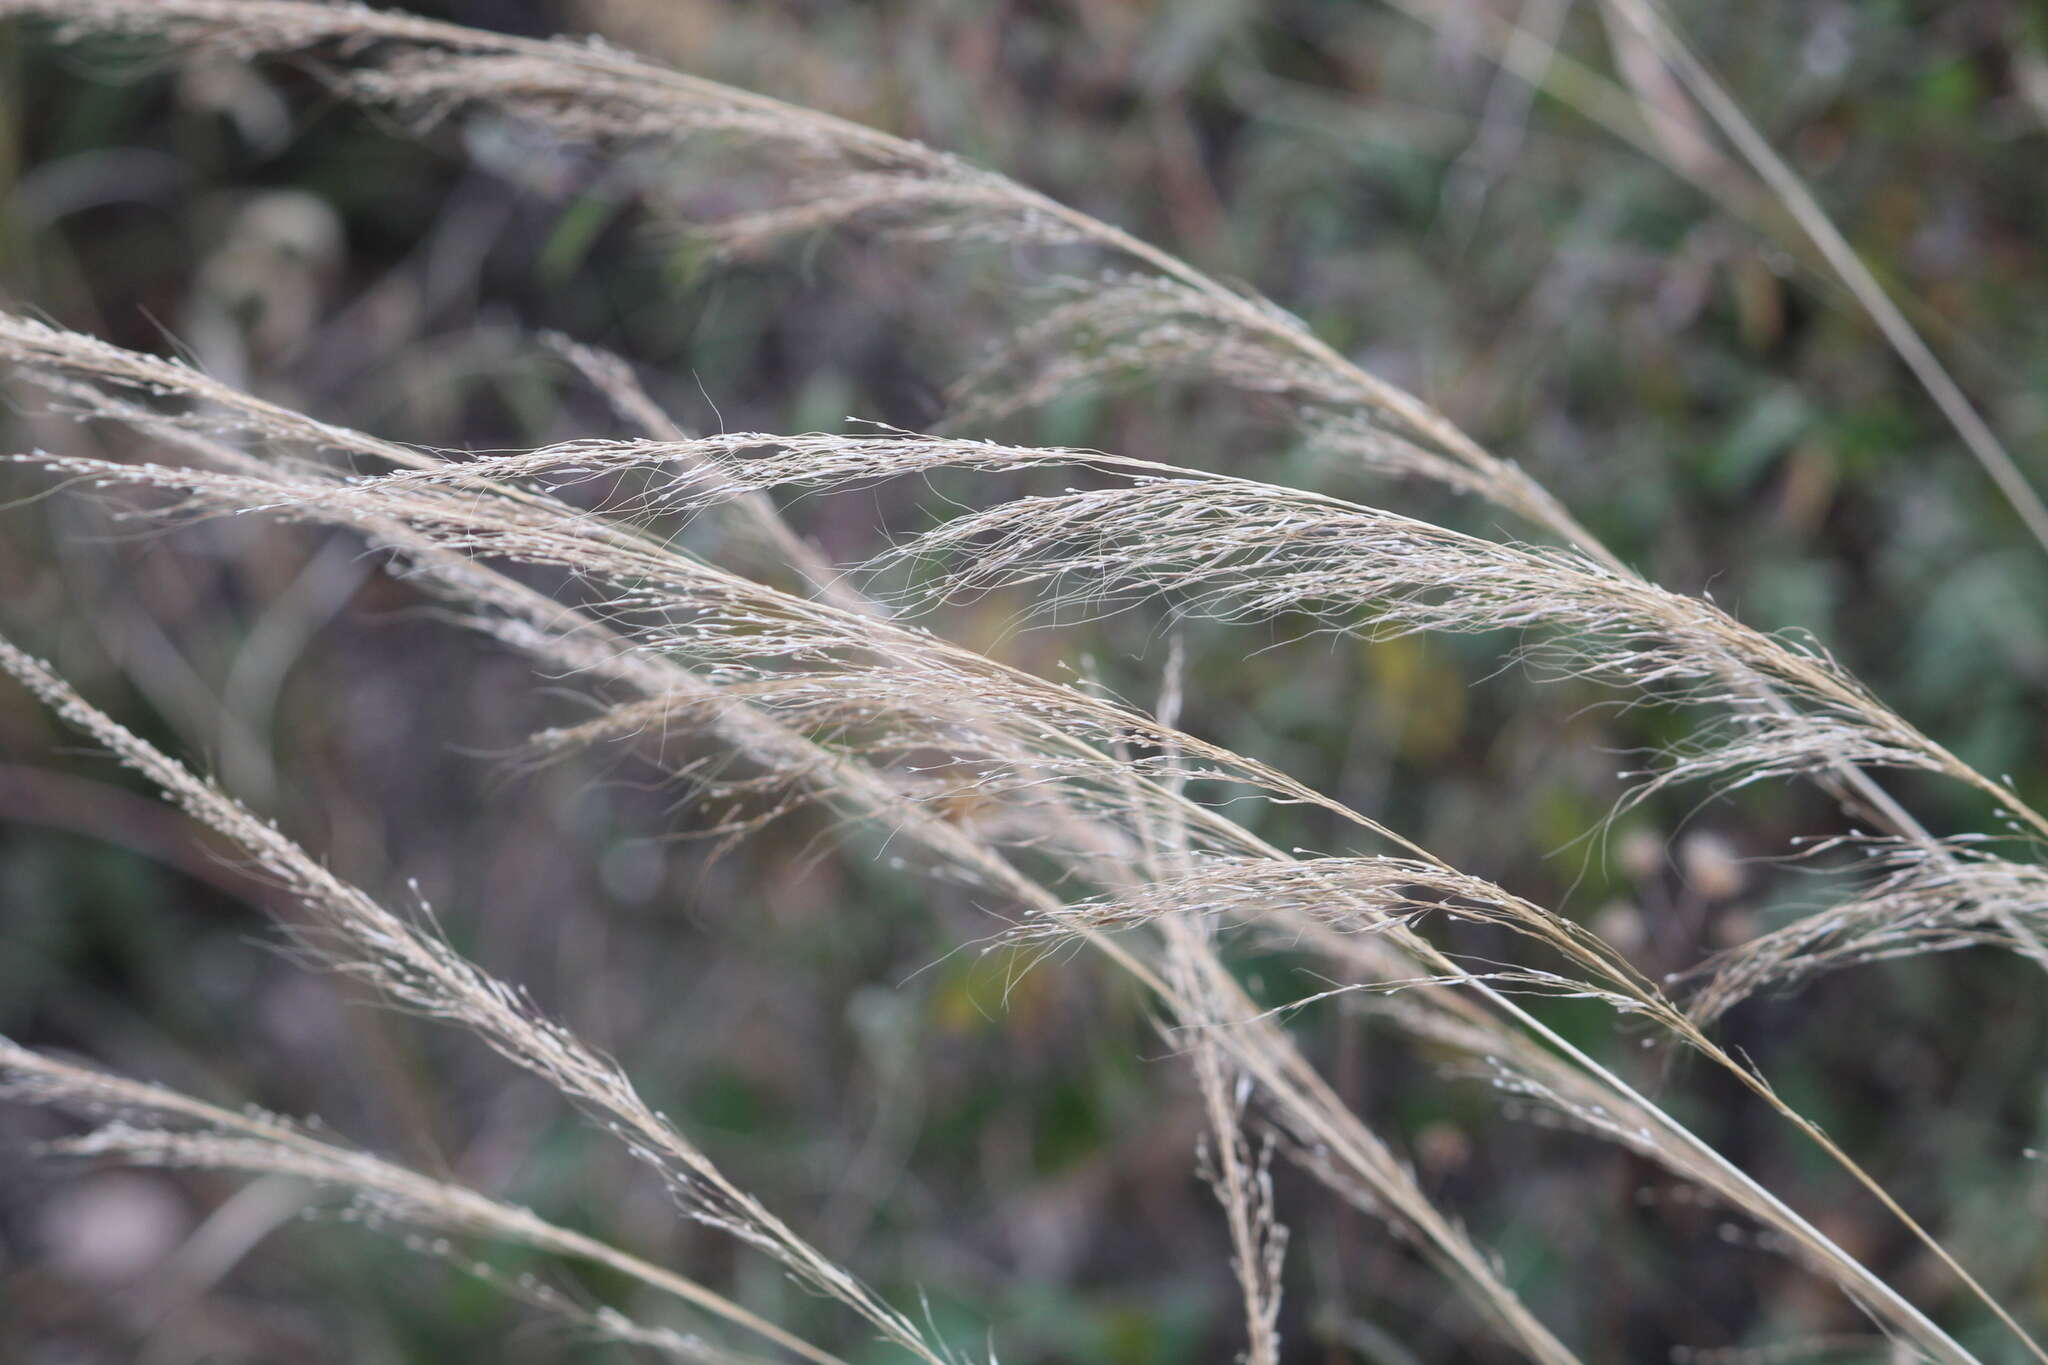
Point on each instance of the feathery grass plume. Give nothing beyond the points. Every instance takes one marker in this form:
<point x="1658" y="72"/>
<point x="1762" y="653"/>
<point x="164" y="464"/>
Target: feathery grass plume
<point x="593" y="92"/>
<point x="792" y="630"/>
<point x="1180" y="318"/>
<point x="1235" y="549"/>
<point x="1651" y="50"/>
<point x="146" y="1124"/>
<point x="93" y="380"/>
<point x="607" y="98"/>
<point x="883" y="690"/>
<point x="565" y="637"/>
<point x="1585" y="596"/>
<point x="848" y="172"/>
<point x="440" y="505"/>
<point x="433" y="479"/>
<point x="878" y="688"/>
<point x="1239" y="550"/>
<point x="417" y="971"/>
<point x="414" y="971"/>
<point x="590" y="91"/>
<point x="1960" y="895"/>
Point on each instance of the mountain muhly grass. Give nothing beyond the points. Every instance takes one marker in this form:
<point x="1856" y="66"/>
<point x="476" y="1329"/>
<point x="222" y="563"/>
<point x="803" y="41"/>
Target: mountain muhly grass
<point x="829" y="694"/>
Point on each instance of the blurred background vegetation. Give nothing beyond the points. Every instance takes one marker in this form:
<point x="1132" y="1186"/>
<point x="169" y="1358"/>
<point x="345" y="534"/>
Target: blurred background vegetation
<point x="1664" y="357"/>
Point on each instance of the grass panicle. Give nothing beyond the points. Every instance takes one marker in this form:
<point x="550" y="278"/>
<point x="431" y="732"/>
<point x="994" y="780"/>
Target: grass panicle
<point x="1091" y="821"/>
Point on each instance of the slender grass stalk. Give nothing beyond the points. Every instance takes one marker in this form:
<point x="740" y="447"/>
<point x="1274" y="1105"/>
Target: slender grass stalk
<point x="1648" y="20"/>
